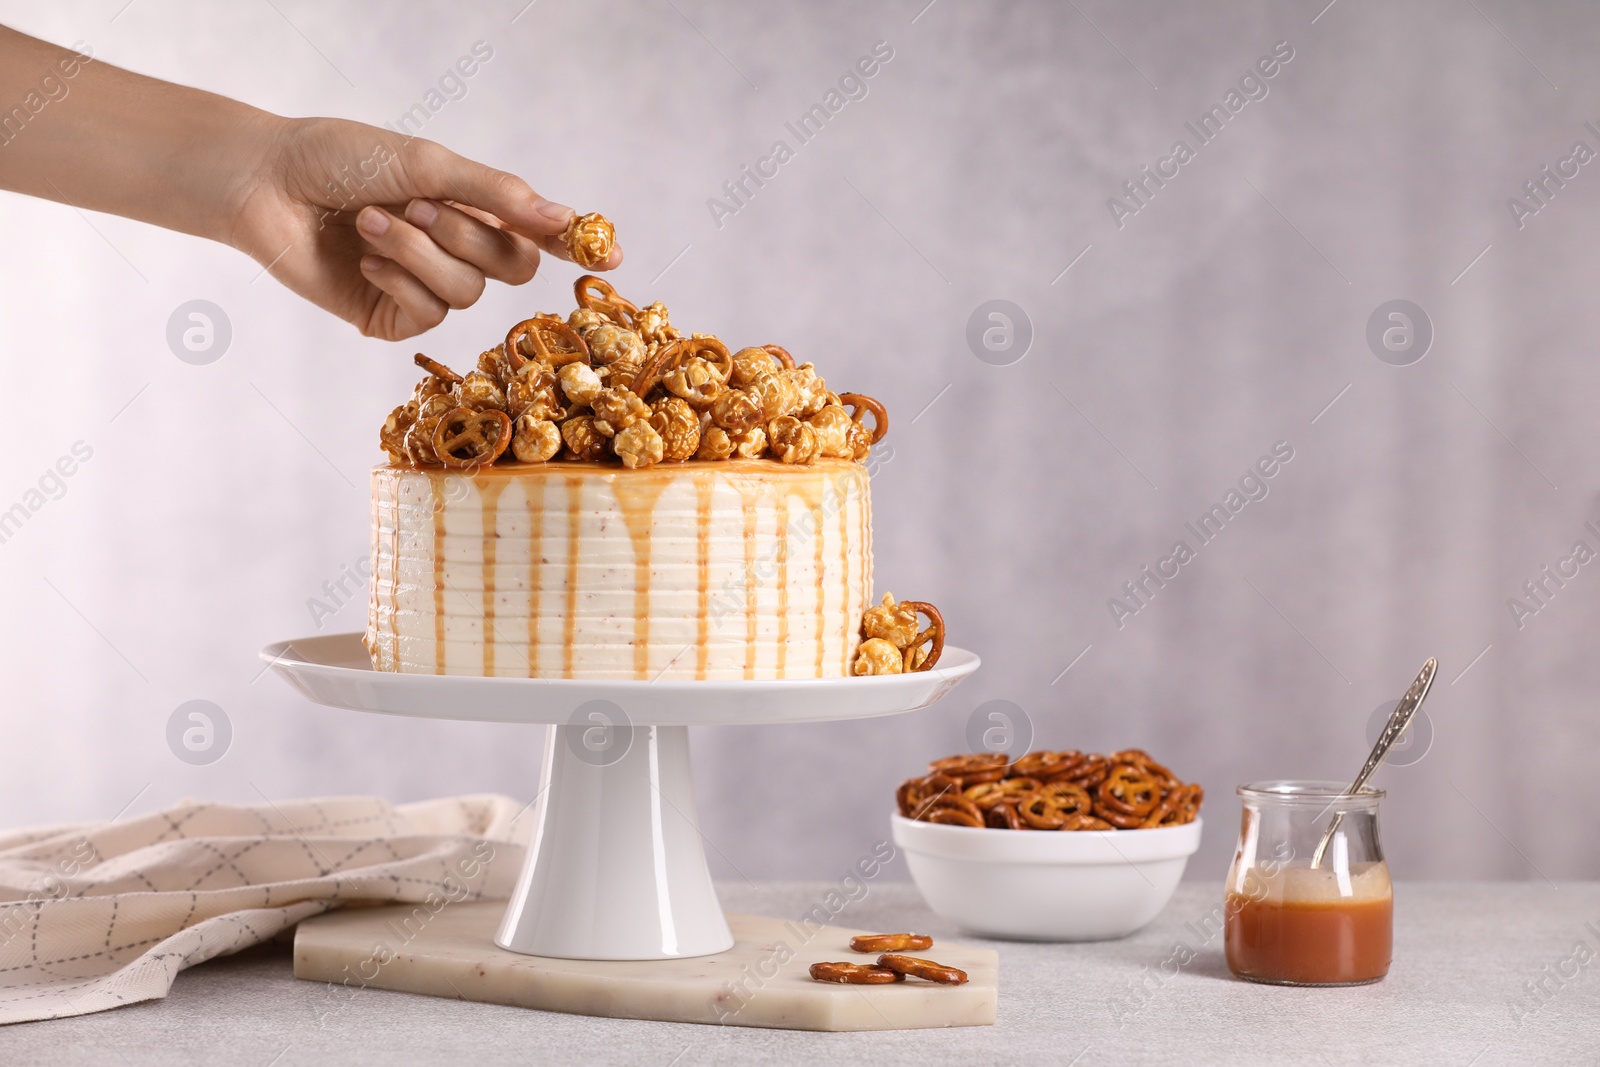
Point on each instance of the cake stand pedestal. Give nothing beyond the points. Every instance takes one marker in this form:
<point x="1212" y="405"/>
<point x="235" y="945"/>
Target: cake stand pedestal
<point x="615" y="869"/>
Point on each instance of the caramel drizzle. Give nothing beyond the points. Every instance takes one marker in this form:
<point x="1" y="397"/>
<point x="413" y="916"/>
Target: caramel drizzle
<point x="816" y="565"/>
<point x="842" y="488"/>
<point x="703" y="487"/>
<point x="490" y="490"/>
<point x="571" y="621"/>
<point x="637" y="498"/>
<point x="436" y="501"/>
<point x="783" y="580"/>
<point x="749" y="585"/>
<point x="394" y="576"/>
<point x="535" y="562"/>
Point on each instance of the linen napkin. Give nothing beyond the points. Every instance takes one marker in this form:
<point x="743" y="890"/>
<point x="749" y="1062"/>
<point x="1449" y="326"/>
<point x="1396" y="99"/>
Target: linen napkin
<point x="100" y="915"/>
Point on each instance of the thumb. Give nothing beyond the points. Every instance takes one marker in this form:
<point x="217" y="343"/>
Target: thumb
<point x="440" y="174"/>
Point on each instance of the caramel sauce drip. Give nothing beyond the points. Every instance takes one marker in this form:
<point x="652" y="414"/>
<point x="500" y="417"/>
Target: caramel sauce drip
<point x="436" y="500"/>
<point x="535" y="490"/>
<point x="749" y="584"/>
<point x="637" y="497"/>
<point x="820" y="513"/>
<point x="783" y="581"/>
<point x="703" y="488"/>
<point x="490" y="492"/>
<point x="843" y="488"/>
<point x="574" y="485"/>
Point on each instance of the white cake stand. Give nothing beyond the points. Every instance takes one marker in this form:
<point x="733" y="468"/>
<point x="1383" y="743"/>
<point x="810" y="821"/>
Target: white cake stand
<point x="616" y="869"/>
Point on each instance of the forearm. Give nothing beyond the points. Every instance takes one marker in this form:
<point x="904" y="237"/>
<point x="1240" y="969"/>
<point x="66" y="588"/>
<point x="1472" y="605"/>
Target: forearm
<point x="76" y="130"/>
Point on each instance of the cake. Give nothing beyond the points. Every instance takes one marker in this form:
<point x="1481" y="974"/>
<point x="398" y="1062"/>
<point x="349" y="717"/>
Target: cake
<point x="607" y="498"/>
<point x="701" y="569"/>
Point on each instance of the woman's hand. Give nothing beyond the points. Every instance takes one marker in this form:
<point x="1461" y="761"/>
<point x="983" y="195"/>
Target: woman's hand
<point x="387" y="232"/>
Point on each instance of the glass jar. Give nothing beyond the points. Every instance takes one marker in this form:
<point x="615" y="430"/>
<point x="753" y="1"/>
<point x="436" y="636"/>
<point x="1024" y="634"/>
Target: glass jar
<point x="1290" y="923"/>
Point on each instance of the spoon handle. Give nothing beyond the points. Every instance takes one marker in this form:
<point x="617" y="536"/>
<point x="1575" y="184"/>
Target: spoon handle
<point x="1398" y="721"/>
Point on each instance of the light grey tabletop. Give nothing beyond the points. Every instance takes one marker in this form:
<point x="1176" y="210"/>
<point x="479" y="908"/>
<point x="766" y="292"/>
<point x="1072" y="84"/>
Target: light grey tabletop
<point x="1483" y="974"/>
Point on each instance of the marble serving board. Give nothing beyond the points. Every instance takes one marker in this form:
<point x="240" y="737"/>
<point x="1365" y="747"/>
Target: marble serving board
<point x="762" y="981"/>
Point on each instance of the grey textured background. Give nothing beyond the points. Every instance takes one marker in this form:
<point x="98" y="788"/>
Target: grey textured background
<point x="1222" y="318"/>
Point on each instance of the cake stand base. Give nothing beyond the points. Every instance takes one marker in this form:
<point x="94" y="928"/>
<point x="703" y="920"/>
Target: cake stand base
<point x="762" y="980"/>
<point x="615" y="868"/>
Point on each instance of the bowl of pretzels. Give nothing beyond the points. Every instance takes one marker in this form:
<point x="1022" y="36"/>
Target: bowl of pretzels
<point x="1053" y="846"/>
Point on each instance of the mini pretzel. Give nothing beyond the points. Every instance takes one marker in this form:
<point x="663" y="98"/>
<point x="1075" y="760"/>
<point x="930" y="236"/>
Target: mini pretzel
<point x="921" y="968"/>
<point x="1004" y="816"/>
<point x="1040" y="812"/>
<point x="1128" y="791"/>
<point x="963" y="811"/>
<point x="1068" y="798"/>
<point x="781" y="354"/>
<point x="854" y="974"/>
<point x="890" y="942"/>
<point x="437" y="369"/>
<point x="978" y="767"/>
<point x="860" y="406"/>
<point x="617" y="308"/>
<point x="1085" y="822"/>
<point x="1089" y="773"/>
<point x="1141" y="759"/>
<point x="1043" y="765"/>
<point x="467" y="438"/>
<point x="538" y="331"/>
<point x="710" y="349"/>
<point x="987" y="794"/>
<point x="933" y="636"/>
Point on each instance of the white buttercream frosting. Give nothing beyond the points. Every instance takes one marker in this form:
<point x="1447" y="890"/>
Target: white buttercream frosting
<point x="736" y="569"/>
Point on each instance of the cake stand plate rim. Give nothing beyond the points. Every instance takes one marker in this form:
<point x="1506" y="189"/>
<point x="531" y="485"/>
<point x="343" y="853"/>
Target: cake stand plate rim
<point x="332" y="669"/>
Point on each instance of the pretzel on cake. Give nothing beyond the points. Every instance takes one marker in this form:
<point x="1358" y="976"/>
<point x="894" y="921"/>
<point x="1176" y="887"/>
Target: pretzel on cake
<point x="553" y="341"/>
<point x="467" y="438"/>
<point x="597" y="295"/>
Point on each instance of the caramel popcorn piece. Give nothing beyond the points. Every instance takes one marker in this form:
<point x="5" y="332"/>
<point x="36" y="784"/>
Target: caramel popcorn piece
<point x="616" y="409"/>
<point x="653" y="325"/>
<point x="585" y="319"/>
<point x="480" y="392"/>
<point x="496" y="366"/>
<point x="894" y="623"/>
<point x="736" y="411"/>
<point x="392" y="438"/>
<point x="695" y="380"/>
<point x="533" y="389"/>
<point x="777" y="396"/>
<point x="750" y="444"/>
<point x="582" y="439"/>
<point x="832" y="425"/>
<point x="791" y="441"/>
<point x="580" y="382"/>
<point x="615" y="344"/>
<point x="877" y="656"/>
<point x="638" y="445"/>
<point x="419" y="440"/>
<point x="750" y="365"/>
<point x="678" y="426"/>
<point x="589" y="240"/>
<point x="533" y="439"/>
<point x="812" y="389"/>
<point x="714" y="442"/>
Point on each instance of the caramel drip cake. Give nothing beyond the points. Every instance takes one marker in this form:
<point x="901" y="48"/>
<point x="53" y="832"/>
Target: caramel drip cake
<point x="605" y="498"/>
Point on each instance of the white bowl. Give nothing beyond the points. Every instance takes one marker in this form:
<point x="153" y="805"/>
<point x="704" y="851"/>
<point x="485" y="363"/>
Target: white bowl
<point x="1035" y="885"/>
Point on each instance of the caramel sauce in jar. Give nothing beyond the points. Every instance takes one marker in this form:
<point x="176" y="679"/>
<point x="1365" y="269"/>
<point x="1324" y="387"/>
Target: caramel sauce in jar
<point x="1315" y="939"/>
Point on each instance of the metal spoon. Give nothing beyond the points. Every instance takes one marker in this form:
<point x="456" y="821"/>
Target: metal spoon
<point x="1398" y="721"/>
